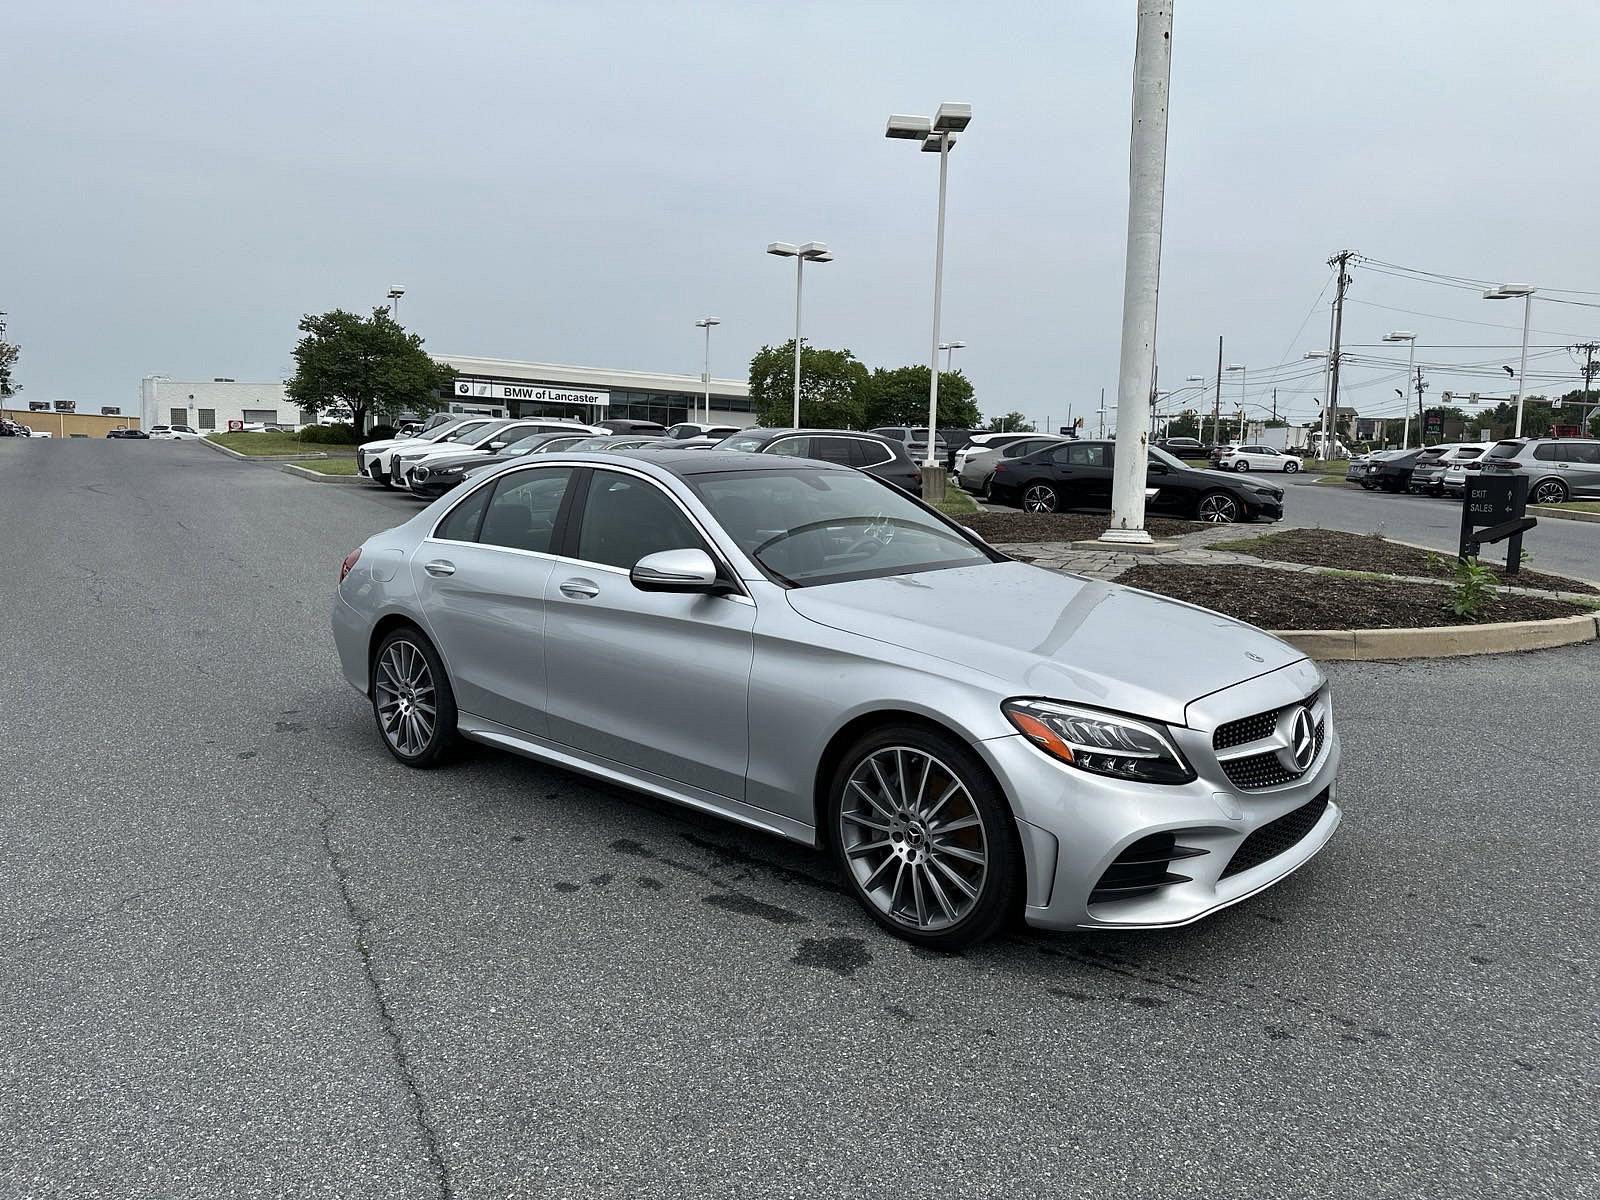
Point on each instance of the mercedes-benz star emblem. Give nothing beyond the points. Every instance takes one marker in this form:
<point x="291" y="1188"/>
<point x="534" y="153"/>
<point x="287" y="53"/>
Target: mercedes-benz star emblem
<point x="1303" y="739"/>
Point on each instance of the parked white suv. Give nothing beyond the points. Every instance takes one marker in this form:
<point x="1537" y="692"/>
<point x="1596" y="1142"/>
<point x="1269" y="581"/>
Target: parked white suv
<point x="1254" y="458"/>
<point x="373" y="458"/>
<point x="174" y="433"/>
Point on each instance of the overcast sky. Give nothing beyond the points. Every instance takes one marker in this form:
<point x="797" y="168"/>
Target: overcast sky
<point x="578" y="182"/>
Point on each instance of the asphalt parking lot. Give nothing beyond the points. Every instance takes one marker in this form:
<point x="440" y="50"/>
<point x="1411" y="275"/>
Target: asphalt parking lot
<point x="248" y="954"/>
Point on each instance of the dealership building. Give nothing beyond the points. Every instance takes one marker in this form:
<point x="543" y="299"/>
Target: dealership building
<point x="523" y="389"/>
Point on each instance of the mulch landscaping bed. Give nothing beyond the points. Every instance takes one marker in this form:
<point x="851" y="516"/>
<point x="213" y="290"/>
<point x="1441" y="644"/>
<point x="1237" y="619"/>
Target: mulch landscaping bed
<point x="1294" y="600"/>
<point x="1061" y="527"/>
<point x="1367" y="552"/>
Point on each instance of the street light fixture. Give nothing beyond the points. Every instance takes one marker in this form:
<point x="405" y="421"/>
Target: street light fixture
<point x="802" y="254"/>
<point x="949" y="349"/>
<point x="1405" y="335"/>
<point x="705" y="376"/>
<point x="395" y="293"/>
<point x="937" y="135"/>
<point x="1510" y="291"/>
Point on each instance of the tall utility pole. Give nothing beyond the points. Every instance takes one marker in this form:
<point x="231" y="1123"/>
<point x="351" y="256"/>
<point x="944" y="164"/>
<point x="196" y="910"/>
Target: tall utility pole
<point x="1274" y="404"/>
<point x="1141" y="287"/>
<point x="1342" y="259"/>
<point x="1216" y="410"/>
<point x="1420" y="428"/>
<point x="1588" y="369"/>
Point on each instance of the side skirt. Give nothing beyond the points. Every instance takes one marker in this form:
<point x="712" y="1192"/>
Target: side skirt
<point x="490" y="733"/>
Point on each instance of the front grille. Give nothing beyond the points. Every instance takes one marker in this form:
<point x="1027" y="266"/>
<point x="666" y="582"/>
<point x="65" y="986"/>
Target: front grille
<point x="1143" y="868"/>
<point x="1264" y="770"/>
<point x="1273" y="838"/>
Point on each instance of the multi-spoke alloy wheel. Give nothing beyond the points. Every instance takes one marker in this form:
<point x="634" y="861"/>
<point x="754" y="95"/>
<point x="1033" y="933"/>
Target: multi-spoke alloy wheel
<point x="1039" y="497"/>
<point x="925" y="838"/>
<point x="412" y="700"/>
<point x="1219" y="508"/>
<point x="1550" y="491"/>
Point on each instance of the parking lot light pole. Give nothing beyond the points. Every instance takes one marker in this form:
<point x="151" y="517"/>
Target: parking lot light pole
<point x="1404" y="335"/>
<point x="1510" y="291"/>
<point x="950" y="349"/>
<point x="802" y="254"/>
<point x="394" y="300"/>
<point x="706" y="323"/>
<point x="1141" y="279"/>
<point x="937" y="135"/>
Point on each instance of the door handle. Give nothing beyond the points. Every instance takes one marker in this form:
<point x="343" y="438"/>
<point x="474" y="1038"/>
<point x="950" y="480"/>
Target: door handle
<point x="439" y="567"/>
<point x="580" y="589"/>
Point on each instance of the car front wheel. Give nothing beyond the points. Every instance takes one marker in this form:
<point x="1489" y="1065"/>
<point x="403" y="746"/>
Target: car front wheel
<point x="1219" y="508"/>
<point x="1291" y="467"/>
<point x="1241" y="465"/>
<point x="1040" y="498"/>
<point x="925" y="838"/>
<point x="1550" y="491"/>
<point x="412" y="699"/>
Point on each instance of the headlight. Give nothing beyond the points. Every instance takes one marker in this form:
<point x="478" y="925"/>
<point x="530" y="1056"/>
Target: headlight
<point x="1100" y="742"/>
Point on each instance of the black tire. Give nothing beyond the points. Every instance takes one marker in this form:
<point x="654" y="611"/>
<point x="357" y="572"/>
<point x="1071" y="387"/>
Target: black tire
<point x="1290" y="467"/>
<point x="1241" y="465"/>
<point x="443" y="740"/>
<point x="997" y="901"/>
<point x="387" y="480"/>
<point x="988" y="480"/>
<point x="1548" y="491"/>
<point x="1042" y="494"/>
<point x="1367" y="485"/>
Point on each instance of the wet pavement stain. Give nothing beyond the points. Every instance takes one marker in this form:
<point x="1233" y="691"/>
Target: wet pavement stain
<point x="900" y="1012"/>
<point x="601" y="880"/>
<point x="566" y="887"/>
<point x="749" y="906"/>
<point x="650" y="883"/>
<point x="844" y="956"/>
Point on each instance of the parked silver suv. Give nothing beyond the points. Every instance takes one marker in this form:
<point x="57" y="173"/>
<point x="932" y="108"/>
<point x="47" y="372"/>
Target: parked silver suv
<point x="1558" y="469"/>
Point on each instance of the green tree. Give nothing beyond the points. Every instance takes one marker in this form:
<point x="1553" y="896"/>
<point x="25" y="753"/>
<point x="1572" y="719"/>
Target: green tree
<point x="899" y="396"/>
<point x="1185" y="424"/>
<point x="8" y="359"/>
<point x="370" y="365"/>
<point x="1012" y="422"/>
<point x="832" y="385"/>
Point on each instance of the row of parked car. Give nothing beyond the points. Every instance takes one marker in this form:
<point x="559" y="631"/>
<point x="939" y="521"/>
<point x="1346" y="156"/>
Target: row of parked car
<point x="1557" y="469"/>
<point x="434" y="460"/>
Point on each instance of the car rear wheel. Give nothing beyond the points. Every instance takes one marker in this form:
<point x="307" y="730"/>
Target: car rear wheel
<point x="925" y="838"/>
<point x="1549" y="491"/>
<point x="412" y="700"/>
<point x="988" y="480"/>
<point x="1040" y="498"/>
<point x="1241" y="465"/>
<point x="1219" y="508"/>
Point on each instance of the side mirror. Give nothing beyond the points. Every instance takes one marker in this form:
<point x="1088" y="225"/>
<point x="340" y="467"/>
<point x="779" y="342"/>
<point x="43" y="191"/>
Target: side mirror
<point x="676" y="571"/>
<point x="1158" y="468"/>
<point x="493" y="446"/>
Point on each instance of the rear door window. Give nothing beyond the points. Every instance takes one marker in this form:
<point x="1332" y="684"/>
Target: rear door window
<point x="794" y="447"/>
<point x="1582" y="452"/>
<point x="1547" y="452"/>
<point x="522" y="513"/>
<point x="839" y="450"/>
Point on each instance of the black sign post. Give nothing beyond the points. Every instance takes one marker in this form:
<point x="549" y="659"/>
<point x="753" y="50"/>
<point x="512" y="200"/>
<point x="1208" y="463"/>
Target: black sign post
<point x="1493" y="510"/>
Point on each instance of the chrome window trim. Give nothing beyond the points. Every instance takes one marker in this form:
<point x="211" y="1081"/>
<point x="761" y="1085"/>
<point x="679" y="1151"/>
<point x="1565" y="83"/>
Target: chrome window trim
<point x="719" y="552"/>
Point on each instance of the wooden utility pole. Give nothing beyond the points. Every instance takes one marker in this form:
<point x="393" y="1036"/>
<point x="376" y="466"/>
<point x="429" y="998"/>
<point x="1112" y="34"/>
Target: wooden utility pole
<point x="1216" y="411"/>
<point x="1342" y="259"/>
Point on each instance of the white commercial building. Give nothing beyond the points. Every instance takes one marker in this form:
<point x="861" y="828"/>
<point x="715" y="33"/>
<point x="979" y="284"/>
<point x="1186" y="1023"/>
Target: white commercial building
<point x="522" y="388"/>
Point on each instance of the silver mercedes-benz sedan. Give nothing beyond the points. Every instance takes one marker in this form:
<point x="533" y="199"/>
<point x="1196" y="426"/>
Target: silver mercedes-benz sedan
<point x="806" y="650"/>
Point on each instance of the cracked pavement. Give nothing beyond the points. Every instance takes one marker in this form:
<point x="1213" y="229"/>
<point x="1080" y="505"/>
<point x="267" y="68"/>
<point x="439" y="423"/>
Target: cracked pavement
<point x="248" y="954"/>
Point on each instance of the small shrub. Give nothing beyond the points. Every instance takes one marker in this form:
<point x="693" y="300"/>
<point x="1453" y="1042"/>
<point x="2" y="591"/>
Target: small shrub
<point x="329" y="435"/>
<point x="1473" y="590"/>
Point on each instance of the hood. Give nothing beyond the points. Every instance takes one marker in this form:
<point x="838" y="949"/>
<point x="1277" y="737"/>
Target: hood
<point x="1045" y="633"/>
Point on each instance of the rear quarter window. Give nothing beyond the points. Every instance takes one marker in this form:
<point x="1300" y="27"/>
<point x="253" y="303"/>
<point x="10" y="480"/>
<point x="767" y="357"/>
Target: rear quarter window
<point x="1504" y="450"/>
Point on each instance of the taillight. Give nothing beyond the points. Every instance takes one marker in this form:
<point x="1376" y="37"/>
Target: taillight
<point x="349" y="562"/>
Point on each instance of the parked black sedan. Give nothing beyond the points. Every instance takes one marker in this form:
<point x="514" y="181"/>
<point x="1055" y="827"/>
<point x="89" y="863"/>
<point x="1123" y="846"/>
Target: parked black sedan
<point x="1392" y="474"/>
<point x="880" y="456"/>
<point x="136" y="434"/>
<point x="1078" y="475"/>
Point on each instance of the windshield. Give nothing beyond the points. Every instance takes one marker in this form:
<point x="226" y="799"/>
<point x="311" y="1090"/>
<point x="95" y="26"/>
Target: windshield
<point x="1159" y="455"/>
<point x="809" y="527"/>
<point x="464" y="430"/>
<point x="751" y="445"/>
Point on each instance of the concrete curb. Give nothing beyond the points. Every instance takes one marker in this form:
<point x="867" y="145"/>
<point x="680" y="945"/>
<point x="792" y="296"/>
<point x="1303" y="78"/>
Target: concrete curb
<point x="1099" y="547"/>
<point x="304" y="473"/>
<point x="1446" y="641"/>
<point x="221" y="449"/>
<point x="1540" y="510"/>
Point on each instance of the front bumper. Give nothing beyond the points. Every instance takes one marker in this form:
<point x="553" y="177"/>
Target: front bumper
<point x="1075" y="824"/>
